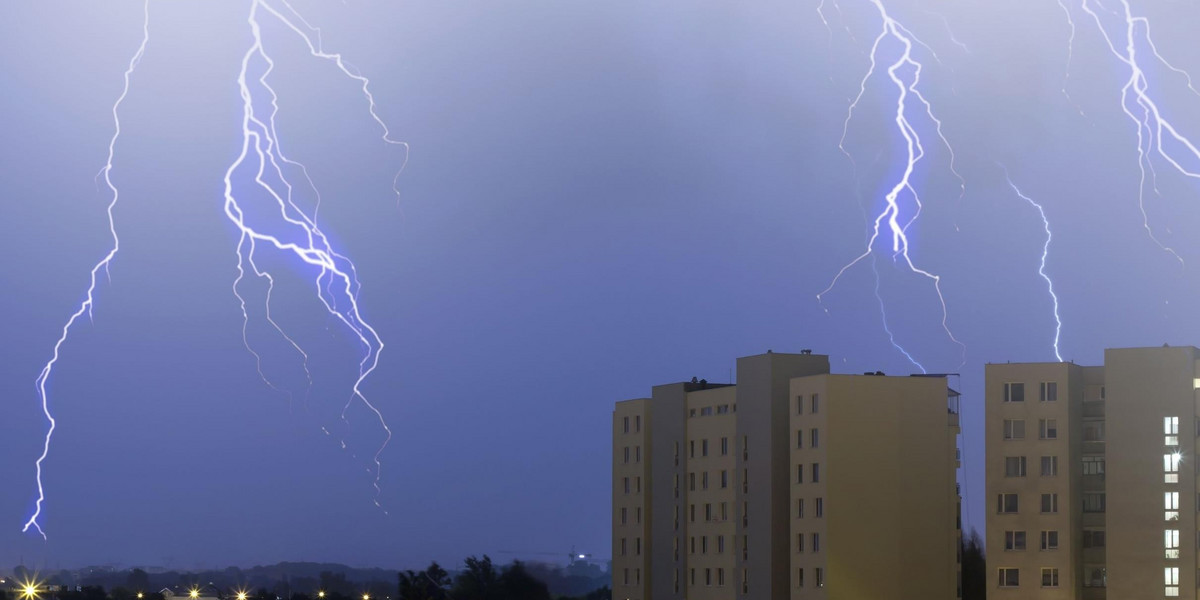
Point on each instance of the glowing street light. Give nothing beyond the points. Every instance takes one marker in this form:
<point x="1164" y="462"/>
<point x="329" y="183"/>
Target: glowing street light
<point x="241" y="596"/>
<point x="29" y="591"/>
<point x="321" y="594"/>
<point x="194" y="593"/>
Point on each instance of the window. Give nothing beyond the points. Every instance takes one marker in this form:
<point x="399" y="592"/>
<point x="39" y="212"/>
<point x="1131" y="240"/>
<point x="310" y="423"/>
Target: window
<point x="1171" y="542"/>
<point x="820" y="577"/>
<point x="820" y="509"/>
<point x="706" y="411"/>
<point x="637" y="423"/>
<point x="637" y="452"/>
<point x="724" y="479"/>
<point x="1049" y="466"/>
<point x="676" y="486"/>
<point x="745" y="481"/>
<point x="704" y="544"/>
<point x="624" y="551"/>
<point x="799" y="405"/>
<point x="1171" y="506"/>
<point x="1171" y="467"/>
<point x="1014" y="392"/>
<point x="745" y="581"/>
<point x="745" y="551"/>
<point x="800" y="577"/>
<point x="724" y="511"/>
<point x="1014" y="429"/>
<point x="745" y="448"/>
<point x="623" y="515"/>
<point x="1014" y="466"/>
<point x="692" y="513"/>
<point x="1171" y="580"/>
<point x="637" y="546"/>
<point x="1049" y="577"/>
<point x="724" y="446"/>
<point x="703" y="447"/>
<point x="1048" y="391"/>
<point x="626" y="455"/>
<point x="800" y="508"/>
<point x="1048" y="429"/>
<point x="1049" y="540"/>
<point x="816" y="473"/>
<point x="1093" y="431"/>
<point x="1006" y="503"/>
<point x="1014" y="540"/>
<point x="1093" y="465"/>
<point x="639" y="515"/>
<point x="1010" y="577"/>
<point x="625" y="480"/>
<point x="1093" y="538"/>
<point x="816" y="542"/>
<point x="637" y="484"/>
<point x="799" y="438"/>
<point x="1095" y="575"/>
<point x="720" y="544"/>
<point x="816" y="404"/>
<point x="692" y="481"/>
<point x="692" y="543"/>
<point x="625" y="427"/>
<point x="704" y="480"/>
<point x="800" y="543"/>
<point x="1049" y="503"/>
<point x="813" y="442"/>
<point x="708" y="516"/>
<point x="1093" y="502"/>
<point x="677" y="454"/>
<point x="691" y="448"/>
<point x="799" y="473"/>
<point x="720" y="576"/>
<point x="1171" y="431"/>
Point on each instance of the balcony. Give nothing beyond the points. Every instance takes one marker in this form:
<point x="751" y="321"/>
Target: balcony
<point x="1093" y="410"/>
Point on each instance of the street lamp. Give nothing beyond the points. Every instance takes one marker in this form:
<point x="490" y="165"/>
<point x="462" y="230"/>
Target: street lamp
<point x="29" y="592"/>
<point x="321" y="594"/>
<point x="194" y="593"/>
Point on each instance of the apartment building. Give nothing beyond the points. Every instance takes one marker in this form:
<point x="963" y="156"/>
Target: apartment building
<point x="794" y="483"/>
<point x="1092" y="472"/>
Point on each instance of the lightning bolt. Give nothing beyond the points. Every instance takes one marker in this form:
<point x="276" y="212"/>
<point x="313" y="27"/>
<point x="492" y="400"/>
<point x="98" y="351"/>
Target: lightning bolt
<point x="89" y="298"/>
<point x="902" y="190"/>
<point x="1151" y="125"/>
<point x="291" y="230"/>
<point x="1042" y="266"/>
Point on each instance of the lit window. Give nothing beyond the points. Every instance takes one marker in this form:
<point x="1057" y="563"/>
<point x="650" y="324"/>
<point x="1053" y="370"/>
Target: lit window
<point x="1010" y="577"/>
<point x="1171" y="504"/>
<point x="1014" y="392"/>
<point x="1171" y="467"/>
<point x="1171" y="425"/>
<point x="1171" y="580"/>
<point x="1014" y="429"/>
<point x="1171" y="542"/>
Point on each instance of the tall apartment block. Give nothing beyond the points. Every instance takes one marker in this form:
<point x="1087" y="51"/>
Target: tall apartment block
<point x="793" y="483"/>
<point x="1092" y="472"/>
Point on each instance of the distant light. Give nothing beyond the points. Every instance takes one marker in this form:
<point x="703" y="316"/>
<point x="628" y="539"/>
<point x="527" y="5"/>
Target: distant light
<point x="141" y="595"/>
<point x="195" y="593"/>
<point x="30" y="591"/>
<point x="321" y="594"/>
<point x="241" y="595"/>
<point x="582" y="556"/>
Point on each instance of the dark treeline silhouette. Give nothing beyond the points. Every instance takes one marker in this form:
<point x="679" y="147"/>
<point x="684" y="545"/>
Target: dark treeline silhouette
<point x="481" y="580"/>
<point x="478" y="579"/>
<point x="974" y="570"/>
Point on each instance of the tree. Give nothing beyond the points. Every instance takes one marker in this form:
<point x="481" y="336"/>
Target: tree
<point x="974" y="568"/>
<point x="430" y="584"/>
<point x="138" y="581"/>
<point x="479" y="581"/>
<point x="517" y="584"/>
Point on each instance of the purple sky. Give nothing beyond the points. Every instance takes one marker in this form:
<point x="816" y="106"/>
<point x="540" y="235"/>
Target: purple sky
<point x="601" y="197"/>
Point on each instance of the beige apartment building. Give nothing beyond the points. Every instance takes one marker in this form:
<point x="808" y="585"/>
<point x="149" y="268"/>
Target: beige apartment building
<point x="1092" y="476"/>
<point x="794" y="483"/>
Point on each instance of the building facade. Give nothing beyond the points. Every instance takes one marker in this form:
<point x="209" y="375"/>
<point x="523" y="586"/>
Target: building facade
<point x="1092" y="475"/>
<point x="794" y="483"/>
